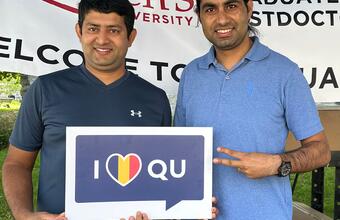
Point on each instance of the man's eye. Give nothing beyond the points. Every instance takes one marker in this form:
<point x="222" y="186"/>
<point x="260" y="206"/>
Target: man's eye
<point x="115" y="31"/>
<point x="209" y="10"/>
<point x="92" y="29"/>
<point x="231" y="6"/>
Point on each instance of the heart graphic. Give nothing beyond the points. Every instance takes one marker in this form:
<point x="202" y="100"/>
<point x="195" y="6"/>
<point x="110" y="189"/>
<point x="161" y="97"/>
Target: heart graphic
<point x="123" y="170"/>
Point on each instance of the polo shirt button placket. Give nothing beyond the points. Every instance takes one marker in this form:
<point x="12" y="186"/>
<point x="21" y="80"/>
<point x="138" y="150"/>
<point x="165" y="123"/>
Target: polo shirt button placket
<point x="227" y="73"/>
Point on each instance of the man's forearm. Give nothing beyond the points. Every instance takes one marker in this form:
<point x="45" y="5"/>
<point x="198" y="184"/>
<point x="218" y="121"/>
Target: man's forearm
<point x="309" y="156"/>
<point x="17" y="186"/>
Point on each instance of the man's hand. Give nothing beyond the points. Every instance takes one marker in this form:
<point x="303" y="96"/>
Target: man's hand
<point x="214" y="210"/>
<point x="46" y="216"/>
<point x="139" y="216"/>
<point x="253" y="165"/>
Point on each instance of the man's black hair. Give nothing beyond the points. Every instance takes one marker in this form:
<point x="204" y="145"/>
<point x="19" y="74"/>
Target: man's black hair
<point x="121" y="7"/>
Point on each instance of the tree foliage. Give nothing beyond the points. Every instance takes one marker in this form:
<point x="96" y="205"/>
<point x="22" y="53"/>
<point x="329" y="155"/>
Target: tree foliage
<point x="9" y="82"/>
<point x="9" y="76"/>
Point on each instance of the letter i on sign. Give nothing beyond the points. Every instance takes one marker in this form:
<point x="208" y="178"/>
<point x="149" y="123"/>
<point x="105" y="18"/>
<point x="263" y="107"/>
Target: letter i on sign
<point x="96" y="169"/>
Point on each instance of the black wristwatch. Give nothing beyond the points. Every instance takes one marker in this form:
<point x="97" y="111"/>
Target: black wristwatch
<point x="284" y="169"/>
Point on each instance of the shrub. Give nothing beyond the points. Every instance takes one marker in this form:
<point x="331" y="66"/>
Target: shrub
<point x="7" y="119"/>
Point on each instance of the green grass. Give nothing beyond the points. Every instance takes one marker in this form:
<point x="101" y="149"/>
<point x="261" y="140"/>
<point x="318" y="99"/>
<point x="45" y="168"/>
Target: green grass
<point x="4" y="211"/>
<point x="9" y="105"/>
<point x="303" y="191"/>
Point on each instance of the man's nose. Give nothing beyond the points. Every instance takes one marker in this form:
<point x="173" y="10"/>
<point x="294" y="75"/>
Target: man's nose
<point x="102" y="37"/>
<point x="222" y="17"/>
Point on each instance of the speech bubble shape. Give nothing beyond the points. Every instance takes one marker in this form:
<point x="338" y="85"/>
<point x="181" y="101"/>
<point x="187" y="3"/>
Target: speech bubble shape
<point x="176" y="163"/>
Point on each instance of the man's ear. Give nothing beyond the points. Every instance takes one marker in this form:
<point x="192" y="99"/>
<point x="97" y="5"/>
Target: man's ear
<point x="132" y="37"/>
<point x="250" y="8"/>
<point x="78" y="30"/>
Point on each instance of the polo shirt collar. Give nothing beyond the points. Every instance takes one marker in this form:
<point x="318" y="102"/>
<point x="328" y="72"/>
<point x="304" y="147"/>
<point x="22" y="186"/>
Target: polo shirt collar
<point x="257" y="52"/>
<point x="208" y="59"/>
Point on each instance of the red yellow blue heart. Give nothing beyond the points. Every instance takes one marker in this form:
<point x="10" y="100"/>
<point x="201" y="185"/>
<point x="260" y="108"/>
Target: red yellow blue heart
<point x="123" y="170"/>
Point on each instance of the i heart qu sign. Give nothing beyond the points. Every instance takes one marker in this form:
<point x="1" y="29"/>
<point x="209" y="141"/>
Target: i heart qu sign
<point x="123" y="170"/>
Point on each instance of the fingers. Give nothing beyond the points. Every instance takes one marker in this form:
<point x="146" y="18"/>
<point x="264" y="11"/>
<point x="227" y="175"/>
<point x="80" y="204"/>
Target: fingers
<point x="139" y="216"/>
<point x="214" y="200"/>
<point x="232" y="153"/>
<point x="214" y="209"/>
<point x="48" y="216"/>
<point x="61" y="216"/>
<point x="228" y="162"/>
<point x="145" y="216"/>
<point x="214" y="212"/>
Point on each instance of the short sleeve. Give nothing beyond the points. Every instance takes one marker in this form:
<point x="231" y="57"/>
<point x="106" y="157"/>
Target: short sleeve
<point x="300" y="110"/>
<point x="28" y="129"/>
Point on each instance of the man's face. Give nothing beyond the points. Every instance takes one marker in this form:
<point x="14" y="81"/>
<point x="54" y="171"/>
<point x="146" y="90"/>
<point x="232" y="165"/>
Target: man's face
<point x="104" y="41"/>
<point x="225" y="22"/>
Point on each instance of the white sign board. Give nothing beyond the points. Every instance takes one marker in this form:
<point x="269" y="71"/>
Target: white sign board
<point x="113" y="172"/>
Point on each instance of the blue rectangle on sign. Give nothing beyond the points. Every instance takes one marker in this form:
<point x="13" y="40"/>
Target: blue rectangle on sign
<point x="139" y="168"/>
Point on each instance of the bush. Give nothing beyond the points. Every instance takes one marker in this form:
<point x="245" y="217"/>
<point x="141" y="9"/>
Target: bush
<point x="7" y="119"/>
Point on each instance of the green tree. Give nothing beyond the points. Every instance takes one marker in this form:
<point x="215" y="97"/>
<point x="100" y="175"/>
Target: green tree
<point x="9" y="82"/>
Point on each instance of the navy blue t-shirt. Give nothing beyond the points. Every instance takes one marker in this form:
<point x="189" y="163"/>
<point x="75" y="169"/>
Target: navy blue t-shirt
<point x="74" y="97"/>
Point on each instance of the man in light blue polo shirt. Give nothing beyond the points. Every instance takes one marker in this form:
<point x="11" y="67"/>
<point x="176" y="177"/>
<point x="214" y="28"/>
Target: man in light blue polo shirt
<point x="252" y="97"/>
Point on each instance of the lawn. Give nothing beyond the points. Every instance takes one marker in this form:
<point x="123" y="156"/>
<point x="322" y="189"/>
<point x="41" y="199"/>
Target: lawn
<point x="4" y="212"/>
<point x="303" y="193"/>
<point x="9" y="105"/>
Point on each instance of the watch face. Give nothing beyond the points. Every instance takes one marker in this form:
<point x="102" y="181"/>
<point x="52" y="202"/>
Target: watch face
<point x="285" y="169"/>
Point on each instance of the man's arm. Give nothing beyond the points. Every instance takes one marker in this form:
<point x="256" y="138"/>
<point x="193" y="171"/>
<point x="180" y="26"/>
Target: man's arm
<point x="313" y="153"/>
<point x="17" y="184"/>
<point x="17" y="181"/>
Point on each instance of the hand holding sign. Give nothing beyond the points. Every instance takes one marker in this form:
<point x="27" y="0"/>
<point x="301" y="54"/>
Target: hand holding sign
<point x="139" y="216"/>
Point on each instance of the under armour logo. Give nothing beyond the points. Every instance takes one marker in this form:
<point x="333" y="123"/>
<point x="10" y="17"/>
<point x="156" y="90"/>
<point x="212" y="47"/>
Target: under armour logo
<point x="135" y="113"/>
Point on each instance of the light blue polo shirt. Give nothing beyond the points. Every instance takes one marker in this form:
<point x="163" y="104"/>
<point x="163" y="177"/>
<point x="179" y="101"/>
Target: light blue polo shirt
<point x="251" y="108"/>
